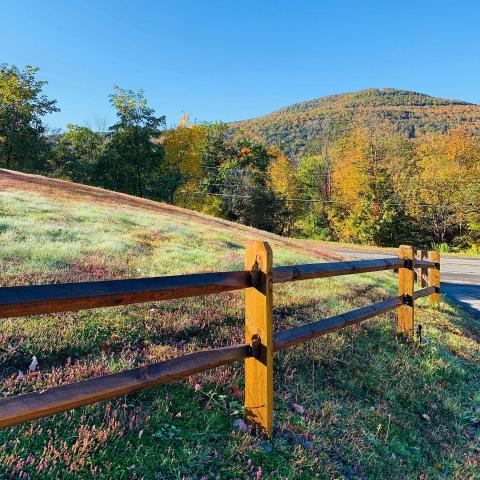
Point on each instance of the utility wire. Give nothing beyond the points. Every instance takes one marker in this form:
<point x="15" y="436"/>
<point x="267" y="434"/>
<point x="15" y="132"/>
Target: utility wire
<point x="293" y="199"/>
<point x="424" y="205"/>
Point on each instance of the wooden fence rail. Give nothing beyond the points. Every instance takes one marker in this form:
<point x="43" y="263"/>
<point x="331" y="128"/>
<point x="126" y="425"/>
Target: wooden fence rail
<point x="260" y="344"/>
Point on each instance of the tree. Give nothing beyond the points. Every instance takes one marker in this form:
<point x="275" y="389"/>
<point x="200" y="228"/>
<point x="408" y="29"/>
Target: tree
<point x="285" y="184"/>
<point x="23" y="145"/>
<point x="250" y="201"/>
<point x="132" y="159"/>
<point x="366" y="208"/>
<point x="446" y="187"/>
<point x="214" y="154"/>
<point x="183" y="153"/>
<point x="76" y="153"/>
<point x="242" y="186"/>
<point x="314" y="177"/>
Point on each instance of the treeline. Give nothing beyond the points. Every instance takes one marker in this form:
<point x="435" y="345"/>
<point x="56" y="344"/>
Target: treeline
<point x="365" y="186"/>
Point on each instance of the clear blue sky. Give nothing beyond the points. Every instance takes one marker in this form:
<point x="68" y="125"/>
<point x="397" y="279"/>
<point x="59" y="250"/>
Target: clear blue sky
<point x="229" y="60"/>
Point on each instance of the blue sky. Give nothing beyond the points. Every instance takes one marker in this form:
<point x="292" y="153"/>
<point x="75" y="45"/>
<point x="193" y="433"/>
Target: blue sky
<point x="229" y="60"/>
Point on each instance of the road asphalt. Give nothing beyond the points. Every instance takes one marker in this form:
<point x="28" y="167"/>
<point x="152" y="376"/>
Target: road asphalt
<point x="460" y="277"/>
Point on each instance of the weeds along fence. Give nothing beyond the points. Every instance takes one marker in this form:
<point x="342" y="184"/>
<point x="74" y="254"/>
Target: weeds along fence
<point x="260" y="342"/>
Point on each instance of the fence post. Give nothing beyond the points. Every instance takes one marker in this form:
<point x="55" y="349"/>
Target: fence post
<point x="406" y="283"/>
<point x="259" y="325"/>
<point x="423" y="271"/>
<point x="434" y="277"/>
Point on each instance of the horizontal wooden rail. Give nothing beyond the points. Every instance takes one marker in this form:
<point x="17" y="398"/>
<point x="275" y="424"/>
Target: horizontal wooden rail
<point x="426" y="264"/>
<point x="36" y="299"/>
<point x="30" y="406"/>
<point x="257" y="350"/>
<point x="294" y="336"/>
<point x="40" y="299"/>
<point x="333" y="269"/>
<point x="424" y="292"/>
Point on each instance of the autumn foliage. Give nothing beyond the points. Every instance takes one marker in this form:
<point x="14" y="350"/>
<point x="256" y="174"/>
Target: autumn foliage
<point x="380" y="166"/>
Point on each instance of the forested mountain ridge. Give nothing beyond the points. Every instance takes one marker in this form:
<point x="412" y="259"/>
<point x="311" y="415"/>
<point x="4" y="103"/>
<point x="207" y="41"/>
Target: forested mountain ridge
<point x="298" y="128"/>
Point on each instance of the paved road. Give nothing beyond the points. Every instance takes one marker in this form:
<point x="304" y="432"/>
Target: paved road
<point x="460" y="277"/>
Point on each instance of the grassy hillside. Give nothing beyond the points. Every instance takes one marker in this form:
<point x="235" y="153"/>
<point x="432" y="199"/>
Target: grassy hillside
<point x="374" y="407"/>
<point x="412" y="114"/>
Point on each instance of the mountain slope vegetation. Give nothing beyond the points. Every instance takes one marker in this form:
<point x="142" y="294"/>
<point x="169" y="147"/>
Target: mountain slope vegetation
<point x="413" y="413"/>
<point x="297" y="128"/>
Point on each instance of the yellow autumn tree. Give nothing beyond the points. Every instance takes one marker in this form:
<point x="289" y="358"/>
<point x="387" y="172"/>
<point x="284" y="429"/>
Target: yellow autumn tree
<point x="351" y="162"/>
<point x="183" y="146"/>
<point x="447" y="182"/>
<point x="284" y="182"/>
<point x="350" y="168"/>
<point x="282" y="176"/>
<point x="365" y="206"/>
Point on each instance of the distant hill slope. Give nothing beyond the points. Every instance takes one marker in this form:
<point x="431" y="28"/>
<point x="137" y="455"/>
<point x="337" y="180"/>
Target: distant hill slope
<point x="76" y="193"/>
<point x="297" y="127"/>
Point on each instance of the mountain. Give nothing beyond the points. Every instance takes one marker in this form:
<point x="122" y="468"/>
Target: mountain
<point x="296" y="128"/>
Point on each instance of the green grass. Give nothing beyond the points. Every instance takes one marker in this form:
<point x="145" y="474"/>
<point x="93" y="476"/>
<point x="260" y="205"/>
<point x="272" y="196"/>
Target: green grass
<point x="375" y="407"/>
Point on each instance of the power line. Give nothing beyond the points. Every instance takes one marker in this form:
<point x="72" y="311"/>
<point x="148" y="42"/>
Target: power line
<point x="218" y="194"/>
<point x="243" y="171"/>
<point x="306" y="200"/>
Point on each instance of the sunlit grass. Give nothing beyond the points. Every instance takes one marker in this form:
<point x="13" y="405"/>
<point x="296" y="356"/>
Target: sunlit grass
<point x="365" y="393"/>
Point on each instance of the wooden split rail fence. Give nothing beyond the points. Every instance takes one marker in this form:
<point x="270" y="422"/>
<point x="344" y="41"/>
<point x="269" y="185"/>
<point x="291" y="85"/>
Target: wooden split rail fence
<point x="260" y="341"/>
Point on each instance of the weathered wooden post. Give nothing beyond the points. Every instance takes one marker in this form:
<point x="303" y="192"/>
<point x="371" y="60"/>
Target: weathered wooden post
<point x="259" y="325"/>
<point x="434" y="277"/>
<point x="406" y="283"/>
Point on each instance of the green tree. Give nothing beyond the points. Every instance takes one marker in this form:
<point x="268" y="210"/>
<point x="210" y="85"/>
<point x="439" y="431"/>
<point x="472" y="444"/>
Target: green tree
<point x="243" y="184"/>
<point x="76" y="153"/>
<point x="250" y="201"/>
<point x="313" y="175"/>
<point x="132" y="159"/>
<point x="23" y="104"/>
